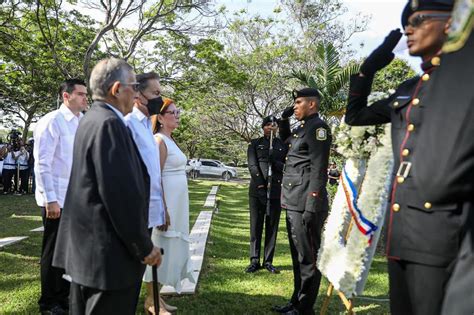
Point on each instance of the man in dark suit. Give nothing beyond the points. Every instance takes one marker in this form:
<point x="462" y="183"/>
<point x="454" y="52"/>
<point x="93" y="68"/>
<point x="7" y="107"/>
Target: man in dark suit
<point x="103" y="240"/>
<point x="445" y="159"/>
<point x="423" y="236"/>
<point x="304" y="195"/>
<point x="259" y="158"/>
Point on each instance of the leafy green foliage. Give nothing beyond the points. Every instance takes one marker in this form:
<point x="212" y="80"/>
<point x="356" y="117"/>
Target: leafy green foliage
<point x="330" y="78"/>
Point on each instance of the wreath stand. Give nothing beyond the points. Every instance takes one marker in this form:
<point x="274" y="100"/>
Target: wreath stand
<point x="348" y="302"/>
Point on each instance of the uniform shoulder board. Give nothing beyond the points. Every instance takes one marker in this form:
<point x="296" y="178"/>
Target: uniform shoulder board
<point x="321" y="134"/>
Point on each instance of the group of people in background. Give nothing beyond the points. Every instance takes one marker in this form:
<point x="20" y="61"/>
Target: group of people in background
<point x="17" y="168"/>
<point x="112" y="188"/>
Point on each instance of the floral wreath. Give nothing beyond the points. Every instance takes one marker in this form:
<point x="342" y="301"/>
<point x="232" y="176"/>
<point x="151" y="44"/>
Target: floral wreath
<point x="345" y="261"/>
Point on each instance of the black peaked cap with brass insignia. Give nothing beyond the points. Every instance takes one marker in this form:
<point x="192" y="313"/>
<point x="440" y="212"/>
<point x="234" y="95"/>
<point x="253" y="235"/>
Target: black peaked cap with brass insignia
<point x="306" y="92"/>
<point x="422" y="5"/>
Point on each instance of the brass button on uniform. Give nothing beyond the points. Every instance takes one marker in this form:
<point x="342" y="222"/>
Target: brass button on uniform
<point x="405" y="152"/>
<point x="425" y="77"/>
<point x="289" y="184"/>
<point x="436" y="61"/>
<point x="416" y="101"/>
<point x="396" y="207"/>
<point x="411" y="127"/>
<point x="396" y="104"/>
<point x="428" y="205"/>
<point x="289" y="146"/>
<point x="400" y="179"/>
<point x="286" y="159"/>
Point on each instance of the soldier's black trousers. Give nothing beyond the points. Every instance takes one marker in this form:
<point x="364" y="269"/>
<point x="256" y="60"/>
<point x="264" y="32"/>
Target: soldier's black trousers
<point x="54" y="289"/>
<point x="416" y="289"/>
<point x="304" y="245"/>
<point x="257" y="219"/>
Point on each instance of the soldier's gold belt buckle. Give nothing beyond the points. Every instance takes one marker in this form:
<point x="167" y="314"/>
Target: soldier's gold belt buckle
<point x="404" y="169"/>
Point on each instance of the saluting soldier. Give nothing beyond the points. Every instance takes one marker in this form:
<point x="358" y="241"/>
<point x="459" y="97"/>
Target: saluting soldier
<point x="423" y="236"/>
<point x="259" y="158"/>
<point x="304" y="195"/>
<point x="444" y="160"/>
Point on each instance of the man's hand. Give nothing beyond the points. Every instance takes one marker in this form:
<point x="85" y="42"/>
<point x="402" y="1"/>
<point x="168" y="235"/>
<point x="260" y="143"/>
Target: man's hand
<point x="164" y="227"/>
<point x="53" y="211"/>
<point x="154" y="258"/>
<point x="382" y="55"/>
<point x="308" y="217"/>
<point x="287" y="112"/>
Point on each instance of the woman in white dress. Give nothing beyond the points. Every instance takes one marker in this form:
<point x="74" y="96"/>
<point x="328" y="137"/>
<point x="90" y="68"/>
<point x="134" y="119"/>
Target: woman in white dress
<point x="174" y="239"/>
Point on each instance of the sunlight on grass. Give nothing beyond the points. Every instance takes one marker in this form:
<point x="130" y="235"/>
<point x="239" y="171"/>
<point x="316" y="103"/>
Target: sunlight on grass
<point x="224" y="287"/>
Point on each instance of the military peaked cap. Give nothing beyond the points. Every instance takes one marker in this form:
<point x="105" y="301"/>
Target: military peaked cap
<point x="306" y="92"/>
<point x="422" y="5"/>
<point x="268" y="119"/>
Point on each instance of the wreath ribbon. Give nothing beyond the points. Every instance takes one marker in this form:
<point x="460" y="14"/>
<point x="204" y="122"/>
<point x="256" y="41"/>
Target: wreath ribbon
<point x="364" y="225"/>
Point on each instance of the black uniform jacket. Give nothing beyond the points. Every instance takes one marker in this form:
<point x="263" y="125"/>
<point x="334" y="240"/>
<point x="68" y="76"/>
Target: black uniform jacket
<point x="305" y="174"/>
<point x="445" y="159"/>
<point x="257" y="158"/>
<point x="418" y="229"/>
<point x="103" y="234"/>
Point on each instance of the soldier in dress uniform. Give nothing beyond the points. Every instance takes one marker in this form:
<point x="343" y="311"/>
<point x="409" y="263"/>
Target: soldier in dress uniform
<point x="304" y="195"/>
<point x="423" y="236"/>
<point x="259" y="157"/>
<point x="445" y="159"/>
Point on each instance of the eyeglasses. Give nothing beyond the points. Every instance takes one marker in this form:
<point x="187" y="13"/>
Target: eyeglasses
<point x="416" y="21"/>
<point x="176" y="113"/>
<point x="134" y="85"/>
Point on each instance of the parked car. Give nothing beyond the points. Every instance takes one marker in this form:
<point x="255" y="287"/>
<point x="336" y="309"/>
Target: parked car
<point x="213" y="168"/>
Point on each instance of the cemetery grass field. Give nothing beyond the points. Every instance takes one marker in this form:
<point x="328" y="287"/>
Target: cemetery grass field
<point x="224" y="287"/>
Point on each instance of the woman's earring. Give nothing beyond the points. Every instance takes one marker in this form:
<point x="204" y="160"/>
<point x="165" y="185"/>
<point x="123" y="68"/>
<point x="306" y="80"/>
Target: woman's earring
<point x="161" y="125"/>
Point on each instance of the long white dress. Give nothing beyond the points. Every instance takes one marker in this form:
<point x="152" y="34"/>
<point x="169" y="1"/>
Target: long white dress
<point x="176" y="264"/>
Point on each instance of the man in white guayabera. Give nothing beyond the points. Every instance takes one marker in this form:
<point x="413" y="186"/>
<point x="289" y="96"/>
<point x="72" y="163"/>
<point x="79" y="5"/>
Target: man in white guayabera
<point x="54" y="138"/>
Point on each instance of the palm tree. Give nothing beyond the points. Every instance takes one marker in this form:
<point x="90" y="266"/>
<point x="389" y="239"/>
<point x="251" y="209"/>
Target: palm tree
<point x="330" y="78"/>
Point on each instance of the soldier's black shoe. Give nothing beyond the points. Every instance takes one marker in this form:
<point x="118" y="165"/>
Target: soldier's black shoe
<point x="252" y="268"/>
<point x="294" y="311"/>
<point x="56" y="310"/>
<point x="283" y="308"/>
<point x="271" y="268"/>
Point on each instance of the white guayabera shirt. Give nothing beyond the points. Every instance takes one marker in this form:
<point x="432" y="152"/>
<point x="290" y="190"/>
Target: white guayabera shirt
<point x="140" y="126"/>
<point x="54" y="141"/>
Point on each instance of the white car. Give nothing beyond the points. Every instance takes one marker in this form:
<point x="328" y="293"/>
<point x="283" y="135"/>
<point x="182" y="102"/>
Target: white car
<point x="213" y="168"/>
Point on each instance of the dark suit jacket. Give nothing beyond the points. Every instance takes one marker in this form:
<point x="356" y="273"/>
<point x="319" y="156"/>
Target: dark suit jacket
<point x="103" y="235"/>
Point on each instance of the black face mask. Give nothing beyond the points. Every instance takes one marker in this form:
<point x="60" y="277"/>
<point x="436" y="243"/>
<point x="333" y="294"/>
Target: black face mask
<point x="154" y="105"/>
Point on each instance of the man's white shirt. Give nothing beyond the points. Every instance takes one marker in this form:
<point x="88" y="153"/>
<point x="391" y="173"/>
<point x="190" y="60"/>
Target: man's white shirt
<point x="54" y="141"/>
<point x="140" y="126"/>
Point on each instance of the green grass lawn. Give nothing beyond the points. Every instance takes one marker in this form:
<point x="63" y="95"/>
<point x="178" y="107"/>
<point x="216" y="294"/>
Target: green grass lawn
<point x="224" y="287"/>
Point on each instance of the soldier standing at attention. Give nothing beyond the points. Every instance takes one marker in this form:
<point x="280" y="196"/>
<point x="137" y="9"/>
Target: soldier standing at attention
<point x="423" y="236"/>
<point x="259" y="159"/>
<point x="304" y="195"/>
